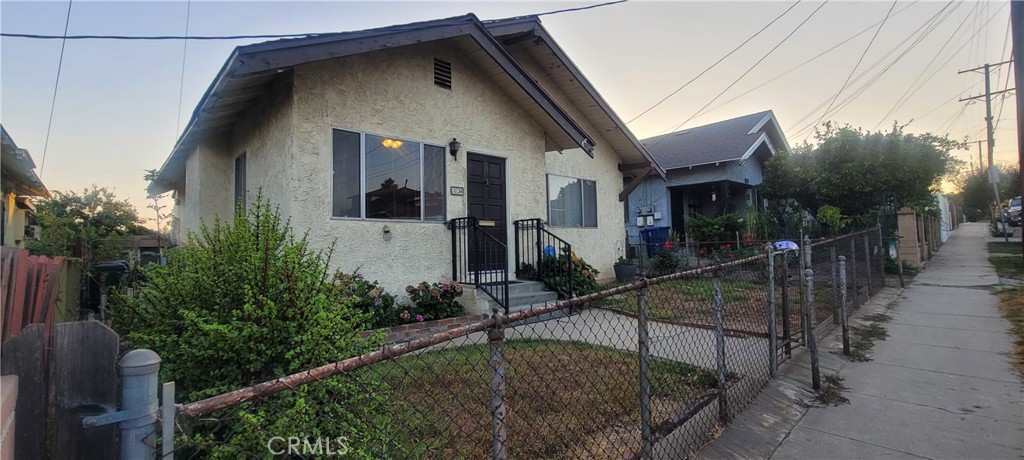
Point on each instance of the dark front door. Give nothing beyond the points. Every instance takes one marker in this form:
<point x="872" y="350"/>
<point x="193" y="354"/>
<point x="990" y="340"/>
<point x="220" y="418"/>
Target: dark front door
<point x="485" y="193"/>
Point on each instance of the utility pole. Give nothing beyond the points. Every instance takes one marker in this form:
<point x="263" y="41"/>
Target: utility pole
<point x="1017" y="25"/>
<point x="993" y="173"/>
<point x="981" y="164"/>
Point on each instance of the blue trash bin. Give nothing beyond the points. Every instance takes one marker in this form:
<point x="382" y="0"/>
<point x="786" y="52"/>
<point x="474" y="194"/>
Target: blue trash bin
<point x="654" y="238"/>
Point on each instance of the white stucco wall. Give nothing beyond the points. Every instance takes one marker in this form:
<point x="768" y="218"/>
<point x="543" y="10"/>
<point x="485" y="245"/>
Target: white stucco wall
<point x="209" y="186"/>
<point x="392" y="93"/>
<point x="602" y="245"/>
<point x="265" y="136"/>
<point x="288" y="142"/>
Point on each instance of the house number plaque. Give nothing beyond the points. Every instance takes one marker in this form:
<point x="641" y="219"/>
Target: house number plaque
<point x="458" y="191"/>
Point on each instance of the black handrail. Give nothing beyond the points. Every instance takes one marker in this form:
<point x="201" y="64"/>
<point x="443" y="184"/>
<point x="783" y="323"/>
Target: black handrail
<point x="543" y="256"/>
<point x="480" y="259"/>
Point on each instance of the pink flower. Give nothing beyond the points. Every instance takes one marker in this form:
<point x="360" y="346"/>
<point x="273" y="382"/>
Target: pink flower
<point x="419" y="318"/>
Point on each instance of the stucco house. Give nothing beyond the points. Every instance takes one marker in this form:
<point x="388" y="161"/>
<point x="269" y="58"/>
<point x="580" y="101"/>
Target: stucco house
<point x="19" y="184"/>
<point x="710" y="170"/>
<point x="420" y="149"/>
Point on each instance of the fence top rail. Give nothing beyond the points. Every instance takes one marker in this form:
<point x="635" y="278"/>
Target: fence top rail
<point x="843" y="237"/>
<point x="206" y="406"/>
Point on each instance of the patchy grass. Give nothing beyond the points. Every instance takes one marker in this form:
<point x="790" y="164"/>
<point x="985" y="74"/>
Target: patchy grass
<point x="1011" y="302"/>
<point x="564" y="399"/>
<point x="1004" y="248"/>
<point x="1008" y="266"/>
<point x="687" y="299"/>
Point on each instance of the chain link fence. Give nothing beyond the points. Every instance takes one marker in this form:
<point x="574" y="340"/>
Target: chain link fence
<point x="648" y="369"/>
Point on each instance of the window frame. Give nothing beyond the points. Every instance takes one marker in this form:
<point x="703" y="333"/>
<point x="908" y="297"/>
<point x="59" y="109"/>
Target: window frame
<point x="583" y="198"/>
<point x="241" y="196"/>
<point x="362" y="179"/>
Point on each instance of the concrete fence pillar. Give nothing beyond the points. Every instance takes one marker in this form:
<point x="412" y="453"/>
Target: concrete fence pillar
<point x="909" y="244"/>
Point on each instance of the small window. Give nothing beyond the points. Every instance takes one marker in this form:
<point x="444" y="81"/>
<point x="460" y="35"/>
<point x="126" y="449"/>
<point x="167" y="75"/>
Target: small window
<point x="240" y="181"/>
<point x="443" y="73"/>
<point x="379" y="177"/>
<point x="572" y="202"/>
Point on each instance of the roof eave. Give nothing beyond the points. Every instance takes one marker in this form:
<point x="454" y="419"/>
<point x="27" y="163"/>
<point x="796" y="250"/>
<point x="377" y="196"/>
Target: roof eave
<point x="533" y="24"/>
<point x="274" y="56"/>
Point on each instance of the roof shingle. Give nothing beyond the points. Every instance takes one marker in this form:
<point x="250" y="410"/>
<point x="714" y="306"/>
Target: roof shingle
<point x="714" y="143"/>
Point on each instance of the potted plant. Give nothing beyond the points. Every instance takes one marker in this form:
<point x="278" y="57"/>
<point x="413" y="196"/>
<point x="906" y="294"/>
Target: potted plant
<point x="625" y="270"/>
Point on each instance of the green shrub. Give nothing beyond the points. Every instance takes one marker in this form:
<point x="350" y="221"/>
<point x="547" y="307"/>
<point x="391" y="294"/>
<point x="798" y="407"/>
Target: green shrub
<point x="369" y="297"/>
<point x="433" y="301"/>
<point x="584" y="276"/>
<point x="244" y="302"/>
<point x="665" y="262"/>
<point x="704" y="229"/>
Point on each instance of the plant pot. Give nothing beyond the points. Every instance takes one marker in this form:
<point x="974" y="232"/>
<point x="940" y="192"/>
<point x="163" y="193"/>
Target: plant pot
<point x="625" y="273"/>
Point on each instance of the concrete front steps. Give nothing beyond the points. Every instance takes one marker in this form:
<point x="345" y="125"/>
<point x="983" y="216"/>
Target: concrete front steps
<point x="522" y="295"/>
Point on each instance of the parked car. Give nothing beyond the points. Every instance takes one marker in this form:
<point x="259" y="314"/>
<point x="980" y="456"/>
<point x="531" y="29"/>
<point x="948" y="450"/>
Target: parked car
<point x="1013" y="212"/>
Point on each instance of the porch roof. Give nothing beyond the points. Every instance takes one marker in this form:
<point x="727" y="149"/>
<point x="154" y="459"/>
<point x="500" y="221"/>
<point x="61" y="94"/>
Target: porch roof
<point x="528" y="32"/>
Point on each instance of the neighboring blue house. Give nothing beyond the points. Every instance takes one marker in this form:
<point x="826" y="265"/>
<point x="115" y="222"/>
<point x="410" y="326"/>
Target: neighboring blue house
<point x="710" y="170"/>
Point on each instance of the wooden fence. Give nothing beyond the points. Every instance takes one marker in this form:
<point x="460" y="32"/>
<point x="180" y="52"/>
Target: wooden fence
<point x="36" y="290"/>
<point x="56" y="390"/>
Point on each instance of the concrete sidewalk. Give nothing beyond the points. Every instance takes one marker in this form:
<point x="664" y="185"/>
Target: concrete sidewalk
<point x="940" y="386"/>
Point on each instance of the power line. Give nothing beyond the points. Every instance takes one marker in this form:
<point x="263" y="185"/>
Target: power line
<point x="184" y="55"/>
<point x="891" y="64"/>
<point x="56" y="83"/>
<point x="908" y="93"/>
<point x="730" y="53"/>
<point x="800" y="65"/>
<point x="581" y="8"/>
<point x="155" y="37"/>
<point x="859" y="60"/>
<point x="238" y="37"/>
<point x="924" y="30"/>
<point x="751" y="68"/>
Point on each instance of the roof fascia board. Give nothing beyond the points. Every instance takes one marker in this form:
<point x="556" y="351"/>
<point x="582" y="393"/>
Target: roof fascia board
<point x="268" y="60"/>
<point x="531" y="24"/>
<point x="761" y="123"/>
<point x="265" y="58"/>
<point x="490" y="44"/>
<point x="775" y="124"/>
<point x="762" y="139"/>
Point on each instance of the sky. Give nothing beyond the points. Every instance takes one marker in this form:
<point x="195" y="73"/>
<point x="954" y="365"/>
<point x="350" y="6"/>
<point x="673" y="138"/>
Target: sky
<point x="121" y="105"/>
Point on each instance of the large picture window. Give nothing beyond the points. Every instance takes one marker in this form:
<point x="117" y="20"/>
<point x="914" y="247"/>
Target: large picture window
<point x="572" y="202"/>
<point x="376" y="177"/>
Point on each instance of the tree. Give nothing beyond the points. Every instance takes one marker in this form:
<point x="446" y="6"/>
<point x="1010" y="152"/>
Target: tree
<point x="94" y="219"/>
<point x="852" y="170"/>
<point x="976" y="193"/>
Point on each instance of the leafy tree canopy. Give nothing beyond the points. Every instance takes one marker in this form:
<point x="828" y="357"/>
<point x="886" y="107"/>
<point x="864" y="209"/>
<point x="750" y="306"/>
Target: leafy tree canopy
<point x="977" y="194"/>
<point x="853" y="170"/>
<point x="95" y="216"/>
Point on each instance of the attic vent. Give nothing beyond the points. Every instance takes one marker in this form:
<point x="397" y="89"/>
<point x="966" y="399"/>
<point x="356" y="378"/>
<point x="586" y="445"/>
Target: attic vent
<point x="443" y="73"/>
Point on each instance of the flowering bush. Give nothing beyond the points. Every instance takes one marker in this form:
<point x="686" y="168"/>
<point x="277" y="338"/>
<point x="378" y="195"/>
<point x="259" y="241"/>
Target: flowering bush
<point x="369" y="297"/>
<point x="555" y="269"/>
<point x="432" y="301"/>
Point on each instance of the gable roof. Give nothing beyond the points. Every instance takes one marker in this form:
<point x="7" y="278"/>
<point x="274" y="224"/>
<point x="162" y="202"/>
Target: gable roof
<point x="730" y="140"/>
<point x="528" y="29"/>
<point x="19" y="176"/>
<point x="250" y="69"/>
